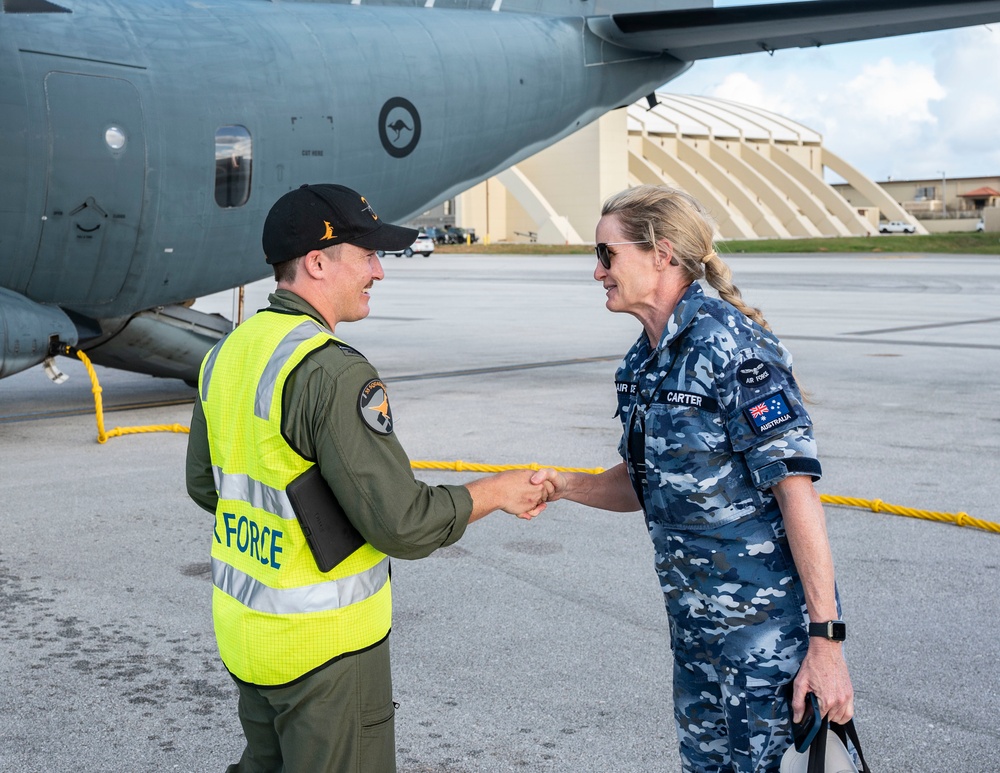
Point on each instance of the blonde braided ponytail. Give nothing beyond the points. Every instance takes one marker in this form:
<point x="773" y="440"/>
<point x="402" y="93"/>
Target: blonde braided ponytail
<point x="652" y="212"/>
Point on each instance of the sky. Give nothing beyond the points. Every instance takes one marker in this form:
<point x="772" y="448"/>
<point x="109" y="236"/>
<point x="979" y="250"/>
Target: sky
<point x="909" y="107"/>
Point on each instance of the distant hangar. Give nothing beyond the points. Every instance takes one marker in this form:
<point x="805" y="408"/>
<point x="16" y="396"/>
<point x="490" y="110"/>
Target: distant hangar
<point x="760" y="175"/>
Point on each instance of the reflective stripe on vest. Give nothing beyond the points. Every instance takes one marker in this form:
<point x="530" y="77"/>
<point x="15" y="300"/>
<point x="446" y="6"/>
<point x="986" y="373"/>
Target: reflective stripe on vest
<point x="245" y="489"/>
<point x="209" y="364"/>
<point x="334" y="594"/>
<point x="287" y="347"/>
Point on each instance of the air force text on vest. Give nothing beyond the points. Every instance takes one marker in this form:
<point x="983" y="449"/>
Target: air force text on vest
<point x="247" y="536"/>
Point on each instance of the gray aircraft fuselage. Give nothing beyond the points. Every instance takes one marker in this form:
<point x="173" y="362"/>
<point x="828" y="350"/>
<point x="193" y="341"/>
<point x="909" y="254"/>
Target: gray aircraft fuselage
<point x="307" y="81"/>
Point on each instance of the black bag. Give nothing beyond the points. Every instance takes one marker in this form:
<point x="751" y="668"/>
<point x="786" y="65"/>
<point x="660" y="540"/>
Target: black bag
<point x="817" y="749"/>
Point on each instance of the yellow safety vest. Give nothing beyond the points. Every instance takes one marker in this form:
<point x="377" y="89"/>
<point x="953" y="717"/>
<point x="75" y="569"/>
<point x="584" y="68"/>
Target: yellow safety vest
<point x="277" y="617"/>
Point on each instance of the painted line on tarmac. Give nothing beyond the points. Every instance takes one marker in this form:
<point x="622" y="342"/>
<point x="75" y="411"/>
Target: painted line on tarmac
<point x="12" y="419"/>
<point x="504" y="368"/>
<point x="89" y="410"/>
<point x="848" y="339"/>
<point x="925" y="327"/>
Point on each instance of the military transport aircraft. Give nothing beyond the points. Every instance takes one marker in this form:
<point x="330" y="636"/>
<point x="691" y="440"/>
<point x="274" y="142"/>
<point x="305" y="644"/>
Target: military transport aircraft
<point x="143" y="141"/>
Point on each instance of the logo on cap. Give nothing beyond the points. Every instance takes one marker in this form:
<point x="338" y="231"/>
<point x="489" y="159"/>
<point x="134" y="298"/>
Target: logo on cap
<point x="329" y="232"/>
<point x="368" y="208"/>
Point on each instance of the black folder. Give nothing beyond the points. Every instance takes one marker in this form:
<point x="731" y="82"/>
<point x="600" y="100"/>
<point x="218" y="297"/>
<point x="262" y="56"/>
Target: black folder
<point x="329" y="532"/>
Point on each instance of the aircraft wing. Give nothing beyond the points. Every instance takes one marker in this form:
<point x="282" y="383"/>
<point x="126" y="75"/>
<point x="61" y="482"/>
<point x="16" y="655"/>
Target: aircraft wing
<point x="706" y="33"/>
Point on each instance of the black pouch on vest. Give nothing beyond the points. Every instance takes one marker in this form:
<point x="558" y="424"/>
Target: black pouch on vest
<point x="330" y="534"/>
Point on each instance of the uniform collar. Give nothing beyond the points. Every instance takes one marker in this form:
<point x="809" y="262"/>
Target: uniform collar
<point x="286" y="301"/>
<point x="683" y="315"/>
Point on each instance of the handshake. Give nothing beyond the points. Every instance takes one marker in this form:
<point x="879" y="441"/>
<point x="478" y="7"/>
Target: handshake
<point x="523" y="493"/>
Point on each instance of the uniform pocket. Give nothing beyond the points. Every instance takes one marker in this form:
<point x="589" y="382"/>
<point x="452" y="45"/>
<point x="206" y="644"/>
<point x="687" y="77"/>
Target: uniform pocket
<point x="378" y="740"/>
<point x="378" y="712"/>
<point x="768" y="723"/>
<point x="693" y="476"/>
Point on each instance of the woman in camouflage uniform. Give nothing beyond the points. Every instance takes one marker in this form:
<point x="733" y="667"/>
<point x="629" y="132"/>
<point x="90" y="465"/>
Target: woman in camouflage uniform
<point x="719" y="453"/>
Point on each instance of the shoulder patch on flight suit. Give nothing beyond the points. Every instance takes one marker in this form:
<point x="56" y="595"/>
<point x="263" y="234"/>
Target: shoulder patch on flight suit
<point x="373" y="406"/>
<point x="349" y="349"/>
<point x="771" y="412"/>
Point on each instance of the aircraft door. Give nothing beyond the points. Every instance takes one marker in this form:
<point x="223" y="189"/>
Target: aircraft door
<point x="94" y="189"/>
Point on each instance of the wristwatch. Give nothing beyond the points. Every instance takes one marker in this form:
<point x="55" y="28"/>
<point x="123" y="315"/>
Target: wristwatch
<point x="834" y="630"/>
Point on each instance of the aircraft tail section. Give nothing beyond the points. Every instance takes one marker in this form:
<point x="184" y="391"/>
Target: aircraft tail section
<point x="706" y="33"/>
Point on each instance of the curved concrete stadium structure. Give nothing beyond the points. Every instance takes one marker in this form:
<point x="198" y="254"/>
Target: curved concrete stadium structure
<point x="760" y="175"/>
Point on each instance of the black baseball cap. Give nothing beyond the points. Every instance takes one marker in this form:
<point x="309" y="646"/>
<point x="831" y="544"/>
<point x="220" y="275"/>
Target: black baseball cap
<point x="314" y="217"/>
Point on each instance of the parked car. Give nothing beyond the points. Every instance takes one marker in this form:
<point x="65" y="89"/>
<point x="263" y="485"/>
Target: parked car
<point x="436" y="234"/>
<point x="896" y="227"/>
<point x="423" y="244"/>
<point x="452" y="234"/>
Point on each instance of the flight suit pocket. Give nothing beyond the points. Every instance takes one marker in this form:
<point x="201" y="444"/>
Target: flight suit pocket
<point x="378" y="713"/>
<point x="378" y="740"/>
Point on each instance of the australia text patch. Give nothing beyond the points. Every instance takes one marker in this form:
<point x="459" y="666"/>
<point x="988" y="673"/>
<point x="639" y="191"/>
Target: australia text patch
<point x="752" y="373"/>
<point x="692" y="399"/>
<point x="373" y="405"/>
<point x="771" y="412"/>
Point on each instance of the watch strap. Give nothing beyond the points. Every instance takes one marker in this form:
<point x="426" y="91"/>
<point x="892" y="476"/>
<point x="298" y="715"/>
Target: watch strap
<point x="834" y="630"/>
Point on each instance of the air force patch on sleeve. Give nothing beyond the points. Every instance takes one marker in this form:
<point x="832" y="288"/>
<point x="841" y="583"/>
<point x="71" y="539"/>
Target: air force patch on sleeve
<point x="771" y="412"/>
<point x="373" y="405"/>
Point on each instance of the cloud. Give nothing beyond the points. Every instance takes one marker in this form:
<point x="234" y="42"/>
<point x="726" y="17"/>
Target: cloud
<point x="970" y="114"/>
<point x="900" y="107"/>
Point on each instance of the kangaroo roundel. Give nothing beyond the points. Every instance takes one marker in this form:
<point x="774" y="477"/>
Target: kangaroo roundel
<point x="399" y="127"/>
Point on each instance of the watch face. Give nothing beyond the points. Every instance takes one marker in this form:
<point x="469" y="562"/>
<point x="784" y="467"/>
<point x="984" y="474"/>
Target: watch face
<point x="838" y="631"/>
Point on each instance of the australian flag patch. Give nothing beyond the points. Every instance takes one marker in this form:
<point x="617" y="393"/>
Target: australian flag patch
<point x="769" y="413"/>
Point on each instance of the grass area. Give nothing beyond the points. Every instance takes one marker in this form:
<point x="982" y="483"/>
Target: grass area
<point x="955" y="243"/>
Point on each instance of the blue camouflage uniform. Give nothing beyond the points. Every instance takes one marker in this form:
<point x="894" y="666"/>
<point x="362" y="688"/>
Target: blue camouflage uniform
<point x="712" y="420"/>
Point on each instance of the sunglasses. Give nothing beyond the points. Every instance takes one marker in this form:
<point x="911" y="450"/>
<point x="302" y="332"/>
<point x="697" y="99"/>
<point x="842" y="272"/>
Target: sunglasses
<point x="603" y="256"/>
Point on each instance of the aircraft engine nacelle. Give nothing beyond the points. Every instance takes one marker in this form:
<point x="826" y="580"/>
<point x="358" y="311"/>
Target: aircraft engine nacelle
<point x="28" y="330"/>
<point x="167" y="342"/>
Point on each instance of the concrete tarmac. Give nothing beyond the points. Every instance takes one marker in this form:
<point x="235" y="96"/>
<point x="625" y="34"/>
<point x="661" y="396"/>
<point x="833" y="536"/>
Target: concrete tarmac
<point x="538" y="646"/>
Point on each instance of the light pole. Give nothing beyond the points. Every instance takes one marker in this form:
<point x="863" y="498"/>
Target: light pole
<point x="944" y="194"/>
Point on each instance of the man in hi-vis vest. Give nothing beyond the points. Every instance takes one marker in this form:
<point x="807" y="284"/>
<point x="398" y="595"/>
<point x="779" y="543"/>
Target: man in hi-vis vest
<point x="280" y="399"/>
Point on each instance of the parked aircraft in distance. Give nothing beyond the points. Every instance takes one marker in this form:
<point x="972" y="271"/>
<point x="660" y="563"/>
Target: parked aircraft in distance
<point x="143" y="141"/>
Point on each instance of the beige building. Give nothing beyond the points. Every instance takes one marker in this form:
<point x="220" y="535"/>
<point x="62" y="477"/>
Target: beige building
<point x="942" y="204"/>
<point x="760" y="175"/>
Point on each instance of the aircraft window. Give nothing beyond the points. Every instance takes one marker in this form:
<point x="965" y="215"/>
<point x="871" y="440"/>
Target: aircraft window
<point x="233" y="163"/>
<point x="115" y="138"/>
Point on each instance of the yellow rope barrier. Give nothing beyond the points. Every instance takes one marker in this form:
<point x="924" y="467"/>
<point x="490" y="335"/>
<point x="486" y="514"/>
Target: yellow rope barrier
<point x="102" y="436"/>
<point x="460" y="466"/>
<point x="876" y="506"/>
